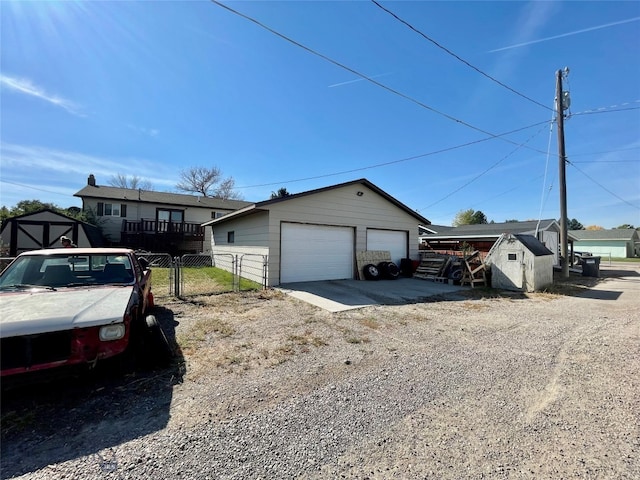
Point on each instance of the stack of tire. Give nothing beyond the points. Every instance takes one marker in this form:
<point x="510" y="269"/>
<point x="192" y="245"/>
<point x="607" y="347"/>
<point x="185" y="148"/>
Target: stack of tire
<point x="382" y="271"/>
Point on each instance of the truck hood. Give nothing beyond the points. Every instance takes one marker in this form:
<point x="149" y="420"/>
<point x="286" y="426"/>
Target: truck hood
<point x="28" y="313"/>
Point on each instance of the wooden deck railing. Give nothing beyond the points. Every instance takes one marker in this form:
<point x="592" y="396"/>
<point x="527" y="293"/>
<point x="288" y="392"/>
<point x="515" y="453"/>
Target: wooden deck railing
<point x="146" y="226"/>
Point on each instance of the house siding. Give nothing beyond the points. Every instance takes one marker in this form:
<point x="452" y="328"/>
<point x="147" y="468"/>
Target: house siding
<point x="250" y="246"/>
<point x="250" y="231"/>
<point x="605" y="248"/>
<point x="112" y="226"/>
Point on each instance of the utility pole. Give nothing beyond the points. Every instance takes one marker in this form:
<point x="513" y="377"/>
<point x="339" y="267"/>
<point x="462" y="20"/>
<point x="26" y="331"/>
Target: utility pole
<point x="562" y="162"/>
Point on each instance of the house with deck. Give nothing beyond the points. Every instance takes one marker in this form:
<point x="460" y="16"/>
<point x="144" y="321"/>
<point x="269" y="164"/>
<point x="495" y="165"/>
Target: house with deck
<point x="154" y="221"/>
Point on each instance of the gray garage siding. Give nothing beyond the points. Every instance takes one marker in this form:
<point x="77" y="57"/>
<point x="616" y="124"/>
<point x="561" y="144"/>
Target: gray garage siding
<point x="339" y="206"/>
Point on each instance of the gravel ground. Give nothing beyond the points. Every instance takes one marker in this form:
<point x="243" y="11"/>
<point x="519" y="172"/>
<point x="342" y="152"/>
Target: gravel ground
<point x="484" y="385"/>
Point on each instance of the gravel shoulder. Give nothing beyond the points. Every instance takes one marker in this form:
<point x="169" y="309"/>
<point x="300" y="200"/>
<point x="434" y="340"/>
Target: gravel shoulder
<point x="487" y="385"/>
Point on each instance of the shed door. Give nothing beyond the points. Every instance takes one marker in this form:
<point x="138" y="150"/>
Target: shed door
<point x="315" y="252"/>
<point x="37" y="234"/>
<point x="393" y="240"/>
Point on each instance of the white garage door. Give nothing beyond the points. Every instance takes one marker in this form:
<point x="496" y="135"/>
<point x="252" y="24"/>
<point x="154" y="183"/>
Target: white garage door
<point x="315" y="252"/>
<point x="393" y="240"/>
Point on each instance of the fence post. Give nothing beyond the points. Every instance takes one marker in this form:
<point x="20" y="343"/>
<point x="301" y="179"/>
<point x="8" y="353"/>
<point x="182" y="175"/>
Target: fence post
<point x="236" y="277"/>
<point x="176" y="276"/>
<point x="265" y="263"/>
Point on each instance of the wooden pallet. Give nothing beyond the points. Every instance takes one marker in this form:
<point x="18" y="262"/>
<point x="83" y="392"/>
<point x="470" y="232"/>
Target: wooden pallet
<point x="432" y="268"/>
<point x="474" y="270"/>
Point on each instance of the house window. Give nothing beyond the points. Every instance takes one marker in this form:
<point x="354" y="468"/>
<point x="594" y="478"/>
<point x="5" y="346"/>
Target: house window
<point x="112" y="210"/>
<point x="512" y="257"/>
<point x="231" y="237"/>
<point x="166" y="215"/>
<point x="169" y="220"/>
<point x="217" y="214"/>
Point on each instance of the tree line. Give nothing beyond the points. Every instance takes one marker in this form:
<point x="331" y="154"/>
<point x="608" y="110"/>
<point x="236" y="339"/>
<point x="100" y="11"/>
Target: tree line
<point x="477" y="217"/>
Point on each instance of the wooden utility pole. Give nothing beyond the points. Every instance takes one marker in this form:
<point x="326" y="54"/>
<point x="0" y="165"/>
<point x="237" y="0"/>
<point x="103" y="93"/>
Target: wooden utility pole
<point x="564" y="221"/>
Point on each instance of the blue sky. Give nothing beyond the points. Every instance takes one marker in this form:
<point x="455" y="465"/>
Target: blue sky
<point x="153" y="88"/>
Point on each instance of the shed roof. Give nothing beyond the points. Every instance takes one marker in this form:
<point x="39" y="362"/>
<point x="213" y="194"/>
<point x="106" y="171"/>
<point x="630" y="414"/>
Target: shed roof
<point x="165" y="198"/>
<point x="534" y="245"/>
<point x="262" y="206"/>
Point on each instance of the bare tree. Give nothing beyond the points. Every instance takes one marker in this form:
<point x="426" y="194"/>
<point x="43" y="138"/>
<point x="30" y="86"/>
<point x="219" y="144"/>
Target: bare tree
<point x="208" y="182"/>
<point x="226" y="190"/>
<point x="133" y="182"/>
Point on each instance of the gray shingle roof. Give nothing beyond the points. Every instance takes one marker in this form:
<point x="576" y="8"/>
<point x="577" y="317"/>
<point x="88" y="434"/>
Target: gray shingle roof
<point x="165" y="198"/>
<point x="260" y="206"/>
<point x="492" y="229"/>
<point x="613" y="234"/>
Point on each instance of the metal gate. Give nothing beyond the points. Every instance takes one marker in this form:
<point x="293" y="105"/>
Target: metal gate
<point x="209" y="274"/>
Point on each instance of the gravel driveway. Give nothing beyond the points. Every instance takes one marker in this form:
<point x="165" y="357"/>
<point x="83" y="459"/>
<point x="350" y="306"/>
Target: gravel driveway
<point x="483" y="385"/>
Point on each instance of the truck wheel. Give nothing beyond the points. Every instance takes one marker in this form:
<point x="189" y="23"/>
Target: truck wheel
<point x="371" y="272"/>
<point x="157" y="348"/>
<point x="393" y="271"/>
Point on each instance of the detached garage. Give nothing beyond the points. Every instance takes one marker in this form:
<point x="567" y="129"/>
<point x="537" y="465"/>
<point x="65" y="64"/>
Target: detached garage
<point x="315" y="235"/>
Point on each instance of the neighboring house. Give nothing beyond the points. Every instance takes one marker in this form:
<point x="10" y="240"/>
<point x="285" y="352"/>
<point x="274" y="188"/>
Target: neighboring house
<point x="617" y="243"/>
<point x="154" y="221"/>
<point x="521" y="263"/>
<point x="483" y="236"/>
<point x="43" y="229"/>
<point x="315" y="235"/>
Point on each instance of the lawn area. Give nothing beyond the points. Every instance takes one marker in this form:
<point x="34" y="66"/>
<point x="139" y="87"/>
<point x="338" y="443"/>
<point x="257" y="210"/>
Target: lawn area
<point x="199" y="280"/>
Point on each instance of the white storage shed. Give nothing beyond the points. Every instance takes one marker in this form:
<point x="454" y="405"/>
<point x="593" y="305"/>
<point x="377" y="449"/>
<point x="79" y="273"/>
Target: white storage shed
<point x="521" y="263"/>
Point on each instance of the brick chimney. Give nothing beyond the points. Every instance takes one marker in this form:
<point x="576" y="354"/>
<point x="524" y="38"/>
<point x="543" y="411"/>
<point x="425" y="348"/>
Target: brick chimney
<point x="91" y="181"/>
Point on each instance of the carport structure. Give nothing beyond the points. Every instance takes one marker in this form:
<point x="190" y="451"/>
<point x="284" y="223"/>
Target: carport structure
<point x="315" y="235"/>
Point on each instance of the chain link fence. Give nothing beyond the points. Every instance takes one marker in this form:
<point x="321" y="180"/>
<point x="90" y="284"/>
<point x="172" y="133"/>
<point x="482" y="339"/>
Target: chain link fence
<point x="200" y="274"/>
<point x="207" y="274"/>
<point x="162" y="273"/>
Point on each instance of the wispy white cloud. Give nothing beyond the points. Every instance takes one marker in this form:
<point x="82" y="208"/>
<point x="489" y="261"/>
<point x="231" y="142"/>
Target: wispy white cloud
<point x="568" y="34"/>
<point x="356" y="80"/>
<point x="152" y="132"/>
<point x="56" y="167"/>
<point x="26" y="87"/>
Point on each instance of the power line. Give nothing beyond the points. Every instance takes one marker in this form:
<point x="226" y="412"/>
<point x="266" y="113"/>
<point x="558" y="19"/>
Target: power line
<point x="365" y="77"/>
<point x="384" y="164"/>
<point x="610" y="109"/>
<point x="406" y="97"/>
<point x="491" y="167"/>
<point x="603" y="187"/>
<point x="33" y="188"/>
<point x="426" y="37"/>
<point x="609" y="161"/>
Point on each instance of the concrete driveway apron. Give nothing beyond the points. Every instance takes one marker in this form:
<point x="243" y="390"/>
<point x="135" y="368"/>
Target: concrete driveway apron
<point x="341" y="295"/>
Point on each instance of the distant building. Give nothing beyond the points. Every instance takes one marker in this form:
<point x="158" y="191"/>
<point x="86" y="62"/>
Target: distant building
<point x="154" y="221"/>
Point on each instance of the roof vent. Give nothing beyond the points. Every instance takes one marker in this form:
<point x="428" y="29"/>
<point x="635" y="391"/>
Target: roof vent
<point x="91" y="181"/>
